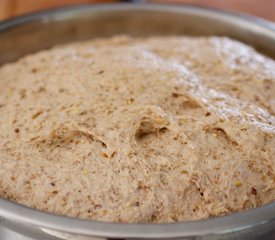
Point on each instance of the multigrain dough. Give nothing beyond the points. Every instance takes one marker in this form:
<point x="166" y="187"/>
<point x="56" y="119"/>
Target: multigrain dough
<point x="139" y="130"/>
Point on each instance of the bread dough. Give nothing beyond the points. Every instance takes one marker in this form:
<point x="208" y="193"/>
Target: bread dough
<point x="160" y="129"/>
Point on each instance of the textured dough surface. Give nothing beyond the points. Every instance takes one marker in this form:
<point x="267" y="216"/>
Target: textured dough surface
<point x="161" y="129"/>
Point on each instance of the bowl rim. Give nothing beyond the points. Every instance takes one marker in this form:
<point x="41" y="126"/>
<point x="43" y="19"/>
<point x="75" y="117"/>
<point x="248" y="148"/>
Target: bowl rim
<point x="218" y="225"/>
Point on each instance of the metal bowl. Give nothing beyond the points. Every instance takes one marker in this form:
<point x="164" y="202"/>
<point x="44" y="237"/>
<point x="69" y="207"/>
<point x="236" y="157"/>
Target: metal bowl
<point x="42" y="30"/>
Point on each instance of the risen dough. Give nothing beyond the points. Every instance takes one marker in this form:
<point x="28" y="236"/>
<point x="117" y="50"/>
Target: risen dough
<point x="160" y="129"/>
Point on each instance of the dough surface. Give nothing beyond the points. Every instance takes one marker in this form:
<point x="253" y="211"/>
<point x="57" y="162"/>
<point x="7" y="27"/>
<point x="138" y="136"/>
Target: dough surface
<point x="159" y="129"/>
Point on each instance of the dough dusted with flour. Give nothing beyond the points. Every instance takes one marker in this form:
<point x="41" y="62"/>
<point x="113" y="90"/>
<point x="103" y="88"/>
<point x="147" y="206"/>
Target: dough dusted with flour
<point x="159" y="129"/>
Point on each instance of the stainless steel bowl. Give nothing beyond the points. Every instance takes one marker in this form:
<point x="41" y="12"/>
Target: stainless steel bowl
<point x="42" y="30"/>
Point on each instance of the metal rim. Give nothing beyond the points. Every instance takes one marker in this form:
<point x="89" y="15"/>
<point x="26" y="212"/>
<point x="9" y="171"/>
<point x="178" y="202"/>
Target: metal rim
<point x="218" y="225"/>
<point x="66" y="12"/>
